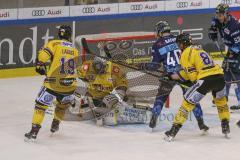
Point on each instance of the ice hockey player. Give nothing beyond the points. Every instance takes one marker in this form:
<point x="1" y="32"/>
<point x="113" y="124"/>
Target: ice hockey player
<point x="106" y="83"/>
<point x="229" y="29"/>
<point x="199" y="68"/>
<point x="60" y="81"/>
<point x="166" y="51"/>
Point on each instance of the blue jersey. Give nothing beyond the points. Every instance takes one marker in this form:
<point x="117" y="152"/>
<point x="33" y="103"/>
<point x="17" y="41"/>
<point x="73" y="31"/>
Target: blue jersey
<point x="229" y="32"/>
<point x="166" y="51"/>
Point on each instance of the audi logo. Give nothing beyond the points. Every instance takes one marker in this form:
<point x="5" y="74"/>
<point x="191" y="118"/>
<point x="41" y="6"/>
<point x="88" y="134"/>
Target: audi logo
<point x="227" y="1"/>
<point x="136" y="7"/>
<point x="88" y="10"/>
<point x="182" y="4"/>
<point x="36" y="13"/>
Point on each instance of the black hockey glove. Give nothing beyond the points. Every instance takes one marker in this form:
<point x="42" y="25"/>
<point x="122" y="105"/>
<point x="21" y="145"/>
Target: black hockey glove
<point x="213" y="34"/>
<point x="41" y="68"/>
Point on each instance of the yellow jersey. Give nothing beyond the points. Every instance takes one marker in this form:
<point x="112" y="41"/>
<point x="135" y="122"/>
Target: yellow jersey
<point x="62" y="73"/>
<point x="100" y="85"/>
<point x="197" y="64"/>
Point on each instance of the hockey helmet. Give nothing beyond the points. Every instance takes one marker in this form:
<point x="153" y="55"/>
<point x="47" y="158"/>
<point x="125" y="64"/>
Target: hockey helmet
<point x="65" y="32"/>
<point x="185" y="39"/>
<point x="99" y="65"/>
<point x="222" y="8"/>
<point x="162" y="27"/>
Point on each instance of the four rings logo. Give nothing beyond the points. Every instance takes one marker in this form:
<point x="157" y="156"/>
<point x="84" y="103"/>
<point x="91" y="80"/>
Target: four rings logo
<point x="36" y="13"/>
<point x="229" y="2"/>
<point x="136" y="7"/>
<point x="88" y="10"/>
<point x="182" y="4"/>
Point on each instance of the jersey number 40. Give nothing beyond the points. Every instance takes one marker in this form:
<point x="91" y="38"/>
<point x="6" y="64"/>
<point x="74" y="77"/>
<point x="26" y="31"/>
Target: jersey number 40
<point x="173" y="58"/>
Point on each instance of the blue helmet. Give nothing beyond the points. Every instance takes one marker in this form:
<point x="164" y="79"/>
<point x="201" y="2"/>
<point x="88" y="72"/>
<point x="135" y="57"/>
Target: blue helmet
<point x="162" y="27"/>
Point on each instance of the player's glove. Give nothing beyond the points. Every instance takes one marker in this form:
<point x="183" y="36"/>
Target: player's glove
<point x="113" y="98"/>
<point x="110" y="100"/>
<point x="41" y="68"/>
<point x="213" y="34"/>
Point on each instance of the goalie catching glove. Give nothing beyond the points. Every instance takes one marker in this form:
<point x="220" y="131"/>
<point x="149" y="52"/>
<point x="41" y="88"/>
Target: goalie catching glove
<point x="41" y="68"/>
<point x="117" y="95"/>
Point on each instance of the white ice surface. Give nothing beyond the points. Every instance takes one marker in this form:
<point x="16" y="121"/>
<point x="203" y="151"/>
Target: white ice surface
<point x="85" y="141"/>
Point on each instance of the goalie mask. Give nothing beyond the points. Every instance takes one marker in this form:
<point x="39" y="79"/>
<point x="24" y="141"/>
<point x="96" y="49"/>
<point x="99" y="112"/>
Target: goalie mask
<point x="99" y="65"/>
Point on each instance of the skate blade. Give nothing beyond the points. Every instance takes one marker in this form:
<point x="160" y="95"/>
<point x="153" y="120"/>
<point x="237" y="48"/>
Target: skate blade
<point x="227" y="136"/>
<point x="205" y="132"/>
<point x="168" y="139"/>
<point x="153" y="130"/>
<point x="27" y="140"/>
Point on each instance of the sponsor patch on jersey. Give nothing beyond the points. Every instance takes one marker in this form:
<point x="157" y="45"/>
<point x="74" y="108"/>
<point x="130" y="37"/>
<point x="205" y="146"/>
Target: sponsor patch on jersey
<point x="168" y="48"/>
<point x="67" y="44"/>
<point x="85" y="67"/>
<point x="226" y="31"/>
<point x="48" y="98"/>
<point x="115" y="69"/>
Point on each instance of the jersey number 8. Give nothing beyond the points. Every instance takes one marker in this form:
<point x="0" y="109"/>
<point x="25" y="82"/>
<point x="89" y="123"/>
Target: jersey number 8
<point x="206" y="59"/>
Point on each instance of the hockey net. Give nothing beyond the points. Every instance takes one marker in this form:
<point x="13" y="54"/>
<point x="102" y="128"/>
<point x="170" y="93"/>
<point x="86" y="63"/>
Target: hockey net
<point x="130" y="48"/>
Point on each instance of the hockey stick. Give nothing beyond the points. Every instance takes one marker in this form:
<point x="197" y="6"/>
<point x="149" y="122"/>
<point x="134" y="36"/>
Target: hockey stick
<point x="219" y="48"/>
<point x="109" y="58"/>
<point x="234" y="77"/>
